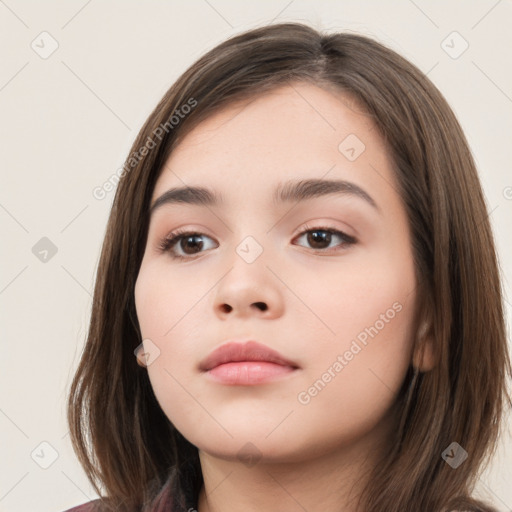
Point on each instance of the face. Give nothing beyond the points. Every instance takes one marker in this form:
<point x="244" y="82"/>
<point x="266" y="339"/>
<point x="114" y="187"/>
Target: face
<point x="325" y="278"/>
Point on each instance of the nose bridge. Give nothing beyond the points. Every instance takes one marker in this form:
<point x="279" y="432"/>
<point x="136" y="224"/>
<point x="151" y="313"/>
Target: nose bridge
<point x="250" y="256"/>
<point x="251" y="236"/>
<point x="248" y="283"/>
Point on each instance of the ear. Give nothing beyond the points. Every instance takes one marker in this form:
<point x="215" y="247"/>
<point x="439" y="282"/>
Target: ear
<point x="141" y="357"/>
<point x="424" y="357"/>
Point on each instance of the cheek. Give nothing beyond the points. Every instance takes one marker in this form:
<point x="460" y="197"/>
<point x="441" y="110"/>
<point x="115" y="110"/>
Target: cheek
<point x="169" y="317"/>
<point x="366" y="345"/>
<point x="370" y="352"/>
<point x="361" y="296"/>
<point x="354" y="380"/>
<point x="163" y="298"/>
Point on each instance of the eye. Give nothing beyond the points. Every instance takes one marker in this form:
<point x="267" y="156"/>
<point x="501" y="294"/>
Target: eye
<point x="321" y="237"/>
<point x="189" y="242"/>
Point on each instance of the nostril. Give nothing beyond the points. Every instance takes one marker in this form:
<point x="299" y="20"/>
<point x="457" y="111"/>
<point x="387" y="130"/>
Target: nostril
<point x="261" y="305"/>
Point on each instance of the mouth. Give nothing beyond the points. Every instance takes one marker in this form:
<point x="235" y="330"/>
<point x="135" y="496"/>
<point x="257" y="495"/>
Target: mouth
<point x="246" y="364"/>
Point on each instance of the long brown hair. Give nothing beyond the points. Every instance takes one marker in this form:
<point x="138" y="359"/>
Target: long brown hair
<point x="124" y="441"/>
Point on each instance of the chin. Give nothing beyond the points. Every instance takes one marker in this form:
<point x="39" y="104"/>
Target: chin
<point x="250" y="446"/>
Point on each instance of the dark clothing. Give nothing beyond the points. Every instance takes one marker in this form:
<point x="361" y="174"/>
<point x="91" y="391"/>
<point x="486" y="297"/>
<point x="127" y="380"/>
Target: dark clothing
<point x="171" y="498"/>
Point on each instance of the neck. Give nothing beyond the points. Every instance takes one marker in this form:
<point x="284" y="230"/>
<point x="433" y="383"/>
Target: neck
<point x="328" y="482"/>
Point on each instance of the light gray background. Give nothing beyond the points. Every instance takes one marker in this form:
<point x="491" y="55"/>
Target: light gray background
<point x="67" y="122"/>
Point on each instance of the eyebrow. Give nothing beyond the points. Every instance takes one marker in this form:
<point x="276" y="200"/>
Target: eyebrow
<point x="290" y="191"/>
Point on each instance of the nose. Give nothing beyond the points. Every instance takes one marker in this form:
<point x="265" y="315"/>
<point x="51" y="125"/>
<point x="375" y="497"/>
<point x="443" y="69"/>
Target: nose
<point x="262" y="306"/>
<point x="249" y="289"/>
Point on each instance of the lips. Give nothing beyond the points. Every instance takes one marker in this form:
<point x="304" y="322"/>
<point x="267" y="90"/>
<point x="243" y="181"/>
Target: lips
<point x="251" y="350"/>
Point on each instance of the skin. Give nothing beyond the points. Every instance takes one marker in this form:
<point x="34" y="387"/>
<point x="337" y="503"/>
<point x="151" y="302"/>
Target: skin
<point x="309" y="456"/>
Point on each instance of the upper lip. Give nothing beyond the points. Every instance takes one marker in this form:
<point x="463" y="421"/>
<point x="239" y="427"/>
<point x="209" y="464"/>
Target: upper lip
<point x="249" y="351"/>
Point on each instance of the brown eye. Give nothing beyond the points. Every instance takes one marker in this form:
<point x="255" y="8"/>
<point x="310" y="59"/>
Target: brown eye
<point x="183" y="244"/>
<point x="190" y="243"/>
<point x="320" y="238"/>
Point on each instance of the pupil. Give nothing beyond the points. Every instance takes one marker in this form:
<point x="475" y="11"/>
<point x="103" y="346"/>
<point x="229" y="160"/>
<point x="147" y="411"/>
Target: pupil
<point x="191" y="237"/>
<point x="324" y="238"/>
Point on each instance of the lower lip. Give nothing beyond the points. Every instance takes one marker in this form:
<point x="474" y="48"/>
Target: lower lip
<point x="248" y="373"/>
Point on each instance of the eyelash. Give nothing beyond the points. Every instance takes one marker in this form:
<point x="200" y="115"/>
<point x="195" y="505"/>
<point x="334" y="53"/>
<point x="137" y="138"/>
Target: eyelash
<point x="167" y="243"/>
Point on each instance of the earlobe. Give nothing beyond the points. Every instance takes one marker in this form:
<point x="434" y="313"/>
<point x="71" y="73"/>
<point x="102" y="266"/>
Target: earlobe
<point x="424" y="353"/>
<point x="141" y="357"/>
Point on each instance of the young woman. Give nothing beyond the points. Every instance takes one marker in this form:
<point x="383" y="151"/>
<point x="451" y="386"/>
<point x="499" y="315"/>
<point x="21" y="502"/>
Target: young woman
<point x="299" y="256"/>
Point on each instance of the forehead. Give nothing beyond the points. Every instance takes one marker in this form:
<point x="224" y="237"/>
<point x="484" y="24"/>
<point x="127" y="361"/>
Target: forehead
<point x="294" y="131"/>
<point x="322" y="108"/>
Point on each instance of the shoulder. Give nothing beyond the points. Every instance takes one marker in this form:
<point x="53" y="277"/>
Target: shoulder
<point x="90" y="506"/>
